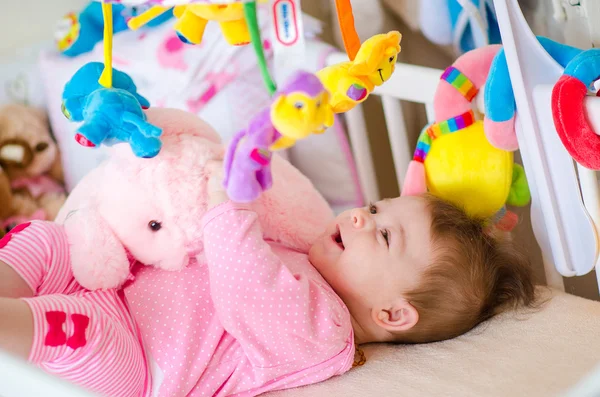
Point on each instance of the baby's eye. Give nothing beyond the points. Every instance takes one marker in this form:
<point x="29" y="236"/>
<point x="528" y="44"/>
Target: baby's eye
<point x="298" y="105"/>
<point x="386" y="235"/>
<point x="391" y="59"/>
<point x="155" y="226"/>
<point x="372" y="209"/>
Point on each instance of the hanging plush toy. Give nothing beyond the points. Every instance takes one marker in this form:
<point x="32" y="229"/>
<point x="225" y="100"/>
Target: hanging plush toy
<point x="193" y="18"/>
<point x="77" y="34"/>
<point x="109" y="115"/>
<point x="500" y="107"/>
<point x="568" y="109"/>
<point x="107" y="103"/>
<point x="466" y="24"/>
<point x="455" y="161"/>
<point x="298" y="110"/>
<point x="350" y="83"/>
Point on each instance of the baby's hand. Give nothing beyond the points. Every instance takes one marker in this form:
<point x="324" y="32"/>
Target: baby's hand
<point x="216" y="192"/>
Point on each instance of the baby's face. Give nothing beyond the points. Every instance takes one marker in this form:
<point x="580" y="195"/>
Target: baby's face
<point x="372" y="255"/>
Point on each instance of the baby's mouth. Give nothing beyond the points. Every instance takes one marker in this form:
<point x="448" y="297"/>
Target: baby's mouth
<point x="337" y="238"/>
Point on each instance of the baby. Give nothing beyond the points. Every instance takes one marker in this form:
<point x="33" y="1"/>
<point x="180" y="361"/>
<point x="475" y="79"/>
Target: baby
<point x="252" y="316"/>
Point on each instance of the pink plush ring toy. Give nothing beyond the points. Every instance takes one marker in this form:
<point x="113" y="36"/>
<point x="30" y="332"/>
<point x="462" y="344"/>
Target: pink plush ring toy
<point x="568" y="109"/>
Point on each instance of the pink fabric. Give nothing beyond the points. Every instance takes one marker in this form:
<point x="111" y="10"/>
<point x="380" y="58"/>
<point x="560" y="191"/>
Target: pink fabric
<point x="88" y="338"/>
<point x="248" y="317"/>
<point x="38" y="185"/>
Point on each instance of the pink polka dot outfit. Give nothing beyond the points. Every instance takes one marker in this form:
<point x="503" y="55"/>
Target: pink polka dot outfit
<point x="249" y="316"/>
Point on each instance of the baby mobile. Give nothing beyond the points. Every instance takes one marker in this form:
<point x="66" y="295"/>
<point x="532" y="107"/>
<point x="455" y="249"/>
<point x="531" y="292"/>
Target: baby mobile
<point x="106" y="101"/>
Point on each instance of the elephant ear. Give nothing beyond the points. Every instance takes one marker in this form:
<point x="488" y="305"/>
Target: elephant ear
<point x="98" y="259"/>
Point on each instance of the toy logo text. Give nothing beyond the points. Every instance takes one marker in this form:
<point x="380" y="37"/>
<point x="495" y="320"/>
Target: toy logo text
<point x="286" y="22"/>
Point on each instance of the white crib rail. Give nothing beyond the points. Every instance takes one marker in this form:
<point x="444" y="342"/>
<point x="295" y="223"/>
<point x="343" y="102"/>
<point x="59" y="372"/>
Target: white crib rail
<point x="408" y="83"/>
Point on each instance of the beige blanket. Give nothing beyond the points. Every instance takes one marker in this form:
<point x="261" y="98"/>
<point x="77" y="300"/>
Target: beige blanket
<point x="525" y="354"/>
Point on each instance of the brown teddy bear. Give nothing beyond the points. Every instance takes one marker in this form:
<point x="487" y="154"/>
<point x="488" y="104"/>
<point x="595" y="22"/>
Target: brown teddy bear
<point x="31" y="161"/>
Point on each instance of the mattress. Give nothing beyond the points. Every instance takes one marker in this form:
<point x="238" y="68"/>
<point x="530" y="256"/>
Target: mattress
<point x="544" y="352"/>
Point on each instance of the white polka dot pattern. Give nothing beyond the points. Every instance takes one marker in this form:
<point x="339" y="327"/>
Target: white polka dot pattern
<point x="248" y="317"/>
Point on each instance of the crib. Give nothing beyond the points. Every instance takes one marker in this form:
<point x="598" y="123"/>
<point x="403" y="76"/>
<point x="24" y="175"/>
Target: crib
<point x="565" y="196"/>
<point x="565" y="206"/>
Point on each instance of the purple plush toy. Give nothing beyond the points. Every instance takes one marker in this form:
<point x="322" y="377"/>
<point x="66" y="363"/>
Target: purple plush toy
<point x="300" y="109"/>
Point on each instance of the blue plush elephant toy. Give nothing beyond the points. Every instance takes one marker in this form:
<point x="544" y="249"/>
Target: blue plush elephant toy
<point x="78" y="33"/>
<point x="109" y="115"/>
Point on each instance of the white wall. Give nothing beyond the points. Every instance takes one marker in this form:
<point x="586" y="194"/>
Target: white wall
<point x="27" y="22"/>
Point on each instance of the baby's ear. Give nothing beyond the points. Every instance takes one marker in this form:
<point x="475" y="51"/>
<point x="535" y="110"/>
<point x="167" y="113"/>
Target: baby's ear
<point x="402" y="316"/>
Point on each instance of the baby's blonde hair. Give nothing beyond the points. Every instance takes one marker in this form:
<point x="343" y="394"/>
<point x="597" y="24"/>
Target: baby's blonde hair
<point x="474" y="276"/>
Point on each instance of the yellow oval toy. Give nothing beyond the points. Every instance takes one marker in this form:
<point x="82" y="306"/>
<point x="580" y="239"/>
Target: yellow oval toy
<point x="454" y="159"/>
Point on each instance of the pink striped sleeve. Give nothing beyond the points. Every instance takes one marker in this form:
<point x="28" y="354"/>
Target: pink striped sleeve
<point x="39" y="253"/>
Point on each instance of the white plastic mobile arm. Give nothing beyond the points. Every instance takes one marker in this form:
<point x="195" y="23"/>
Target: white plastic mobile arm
<point x="562" y="225"/>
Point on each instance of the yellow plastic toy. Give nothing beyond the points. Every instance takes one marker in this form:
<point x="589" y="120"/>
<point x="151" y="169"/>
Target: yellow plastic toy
<point x="300" y="110"/>
<point x="350" y="83"/>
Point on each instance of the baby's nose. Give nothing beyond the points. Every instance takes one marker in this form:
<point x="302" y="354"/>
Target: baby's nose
<point x="359" y="218"/>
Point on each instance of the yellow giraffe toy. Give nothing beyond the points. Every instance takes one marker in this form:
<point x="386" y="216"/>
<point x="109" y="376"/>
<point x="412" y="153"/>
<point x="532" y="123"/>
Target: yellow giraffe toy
<point x="350" y="83"/>
<point x="192" y="20"/>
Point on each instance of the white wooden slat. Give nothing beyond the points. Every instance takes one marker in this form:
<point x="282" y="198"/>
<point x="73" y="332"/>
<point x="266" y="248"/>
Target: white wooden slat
<point x="398" y="135"/>
<point x="430" y="112"/>
<point x="359" y="137"/>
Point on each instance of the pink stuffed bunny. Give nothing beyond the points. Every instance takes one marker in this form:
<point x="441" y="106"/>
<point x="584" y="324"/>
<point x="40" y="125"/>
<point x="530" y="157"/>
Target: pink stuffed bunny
<point x="150" y="210"/>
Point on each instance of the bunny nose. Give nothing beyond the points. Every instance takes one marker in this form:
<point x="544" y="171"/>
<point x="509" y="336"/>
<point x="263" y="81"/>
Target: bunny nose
<point x="15" y="153"/>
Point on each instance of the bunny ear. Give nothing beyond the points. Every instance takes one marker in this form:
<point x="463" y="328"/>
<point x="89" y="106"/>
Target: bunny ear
<point x="98" y="259"/>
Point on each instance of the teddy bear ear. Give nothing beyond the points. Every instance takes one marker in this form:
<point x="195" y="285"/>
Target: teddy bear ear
<point x="40" y="113"/>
